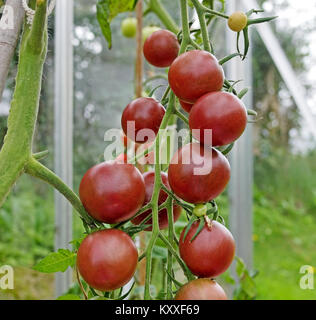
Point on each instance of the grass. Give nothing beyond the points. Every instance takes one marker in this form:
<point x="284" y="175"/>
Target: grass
<point x="284" y="230"/>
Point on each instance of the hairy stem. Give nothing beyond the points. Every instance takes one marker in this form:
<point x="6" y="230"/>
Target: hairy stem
<point x="156" y="7"/>
<point x="36" y="169"/>
<point x="25" y="102"/>
<point x="204" y="31"/>
<point x="155" y="197"/>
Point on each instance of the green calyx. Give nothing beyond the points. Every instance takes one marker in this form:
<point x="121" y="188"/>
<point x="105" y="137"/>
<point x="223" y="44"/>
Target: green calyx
<point x="200" y="210"/>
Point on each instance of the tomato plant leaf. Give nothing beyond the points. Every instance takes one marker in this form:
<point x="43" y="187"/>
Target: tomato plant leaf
<point x="107" y="10"/>
<point x="240" y="267"/>
<point x="248" y="285"/>
<point x="58" y="261"/>
<point x="246" y="37"/>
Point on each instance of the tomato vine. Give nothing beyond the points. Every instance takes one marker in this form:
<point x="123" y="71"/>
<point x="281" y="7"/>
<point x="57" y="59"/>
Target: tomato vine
<point x="16" y="157"/>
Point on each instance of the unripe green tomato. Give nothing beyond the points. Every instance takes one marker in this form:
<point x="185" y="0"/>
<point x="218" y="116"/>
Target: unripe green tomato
<point x="129" y="27"/>
<point x="200" y="210"/>
<point x="147" y="31"/>
<point x="237" y="21"/>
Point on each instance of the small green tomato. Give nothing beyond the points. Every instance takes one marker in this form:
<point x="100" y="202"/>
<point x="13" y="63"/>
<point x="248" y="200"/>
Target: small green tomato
<point x="237" y="21"/>
<point x="200" y="210"/>
<point x="147" y="31"/>
<point x="129" y="27"/>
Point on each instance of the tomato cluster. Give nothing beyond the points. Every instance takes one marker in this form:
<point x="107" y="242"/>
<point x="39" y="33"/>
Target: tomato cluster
<point x="113" y="192"/>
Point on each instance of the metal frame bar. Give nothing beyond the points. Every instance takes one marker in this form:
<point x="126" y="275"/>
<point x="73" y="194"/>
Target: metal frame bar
<point x="63" y="130"/>
<point x="241" y="158"/>
<point x="283" y="65"/>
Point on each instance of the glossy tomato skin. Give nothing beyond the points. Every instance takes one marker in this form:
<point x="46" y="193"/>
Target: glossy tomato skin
<point x="107" y="259"/>
<point x="149" y="178"/>
<point x="186" y="106"/>
<point x="112" y="192"/>
<point x="210" y="253"/>
<point x="221" y="112"/>
<point x="194" y="74"/>
<point x="161" y="48"/>
<point x="197" y="174"/>
<point x="146" y="113"/>
<point x="201" y="289"/>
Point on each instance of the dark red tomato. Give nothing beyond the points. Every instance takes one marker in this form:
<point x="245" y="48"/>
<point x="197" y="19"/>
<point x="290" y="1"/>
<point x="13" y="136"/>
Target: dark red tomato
<point x="194" y="74"/>
<point x="161" y="48"/>
<point x="112" y="192"/>
<point x="144" y="116"/>
<point x="107" y="259"/>
<point x="201" y="289"/>
<point x="197" y="174"/>
<point x="149" y="178"/>
<point x="186" y="106"/>
<point x="210" y="253"/>
<point x="122" y="158"/>
<point x="221" y="112"/>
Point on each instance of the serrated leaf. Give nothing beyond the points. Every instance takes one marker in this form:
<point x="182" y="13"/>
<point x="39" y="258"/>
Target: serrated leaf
<point x="107" y="10"/>
<point x="69" y="297"/>
<point x="248" y="285"/>
<point x="58" y="261"/>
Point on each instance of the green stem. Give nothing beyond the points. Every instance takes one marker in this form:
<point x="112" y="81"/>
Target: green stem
<point x="155" y="197"/>
<point x="216" y="13"/>
<point x="36" y="169"/>
<point x="182" y="117"/>
<point x="171" y="241"/>
<point x="156" y="7"/>
<point x="185" y="26"/>
<point x="201" y="15"/>
<point x="185" y="269"/>
<point x="17" y="148"/>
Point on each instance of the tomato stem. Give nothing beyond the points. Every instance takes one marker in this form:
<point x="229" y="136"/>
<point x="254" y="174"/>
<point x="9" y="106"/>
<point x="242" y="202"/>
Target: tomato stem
<point x="169" y="205"/>
<point x="201" y="15"/>
<point x="36" y="169"/>
<point x="156" y="7"/>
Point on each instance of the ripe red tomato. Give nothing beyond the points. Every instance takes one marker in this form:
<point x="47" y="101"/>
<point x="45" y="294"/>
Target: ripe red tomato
<point x="197" y="174"/>
<point x="112" y="192"/>
<point x="161" y="48"/>
<point x="194" y="74"/>
<point x="107" y="259"/>
<point x="147" y="114"/>
<point x="210" y="253"/>
<point x="149" y="178"/>
<point x="186" y="106"/>
<point x="201" y="289"/>
<point x="221" y="112"/>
